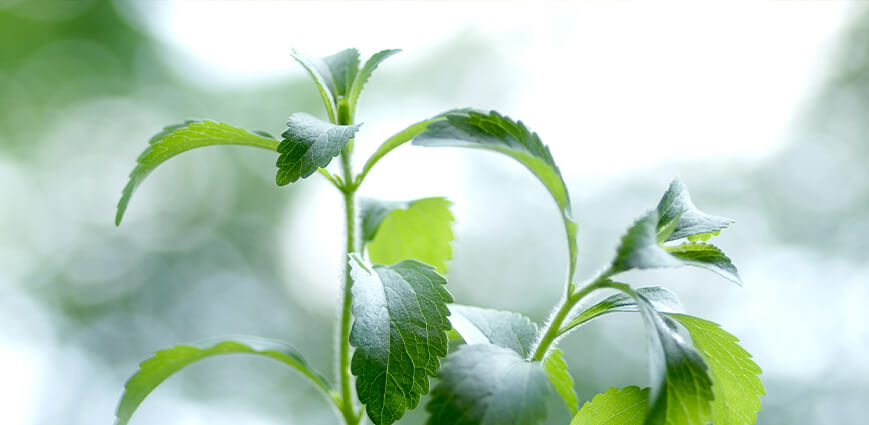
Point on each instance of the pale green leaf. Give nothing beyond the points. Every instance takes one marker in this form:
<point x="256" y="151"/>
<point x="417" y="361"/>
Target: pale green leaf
<point x="502" y="328"/>
<point x="492" y="131"/>
<point x="165" y="363"/>
<point x="175" y="139"/>
<point x="309" y="143"/>
<point x="661" y="299"/>
<point x="419" y="230"/>
<point x="706" y="256"/>
<point x="365" y="73"/>
<point x="735" y="379"/>
<point x="324" y="82"/>
<point x="556" y="369"/>
<point x="679" y="218"/>
<point x="484" y="384"/>
<point x="399" y="334"/>
<point x="339" y="71"/>
<point x="625" y="406"/>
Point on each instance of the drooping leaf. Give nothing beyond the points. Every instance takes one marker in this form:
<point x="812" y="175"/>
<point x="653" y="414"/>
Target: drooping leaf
<point x="175" y="139"/>
<point x="484" y="384"/>
<point x="679" y="218"/>
<point x="706" y="256"/>
<point x="165" y="363"/>
<point x="419" y="230"/>
<point x="492" y="131"/>
<point x="502" y="328"/>
<point x="661" y="299"/>
<point x="399" y="334"/>
<point x="556" y="369"/>
<point x="625" y="406"/>
<point x="365" y="73"/>
<point x="735" y="379"/>
<point x="309" y="143"/>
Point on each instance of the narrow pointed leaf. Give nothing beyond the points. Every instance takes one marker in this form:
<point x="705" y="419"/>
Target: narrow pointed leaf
<point x="340" y="71"/>
<point x="165" y="363"/>
<point x="419" y="230"/>
<point x="484" y="384"/>
<point x="365" y="73"/>
<point x="175" y="139"/>
<point x="706" y="256"/>
<point x="309" y="143"/>
<point x="661" y="299"/>
<point x="681" y="218"/>
<point x="399" y="334"/>
<point x="625" y="406"/>
<point x="324" y="82"/>
<point x="502" y="328"/>
<point x="492" y="131"/>
<point x="556" y="369"/>
<point x="735" y="379"/>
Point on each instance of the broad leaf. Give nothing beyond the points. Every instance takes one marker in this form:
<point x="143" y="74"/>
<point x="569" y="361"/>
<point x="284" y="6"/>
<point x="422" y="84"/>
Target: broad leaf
<point x="556" y="369"/>
<point x="661" y="299"/>
<point x="175" y="139"/>
<point x="492" y="131"/>
<point x="640" y="248"/>
<point x="625" y="406"/>
<point x="735" y="379"/>
<point x="484" y="384"/>
<point x="399" y="334"/>
<point x="679" y="218"/>
<point x="419" y="230"/>
<point x="365" y="73"/>
<point x="502" y="328"/>
<point x="309" y="143"/>
<point x="165" y="363"/>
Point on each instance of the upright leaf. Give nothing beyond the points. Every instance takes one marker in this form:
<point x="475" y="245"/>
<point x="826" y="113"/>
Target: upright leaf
<point x="340" y="71"/>
<point x="735" y="379"/>
<point x="484" y="384"/>
<point x="681" y="218"/>
<point x="492" y="131"/>
<point x="625" y="406"/>
<point x="706" y="256"/>
<point x="175" y="139"/>
<point x="365" y="73"/>
<point x="419" y="230"/>
<point x="309" y="143"/>
<point x="399" y="334"/>
<point x="165" y="363"/>
<point x="502" y="328"/>
<point x="661" y="299"/>
<point x="556" y="369"/>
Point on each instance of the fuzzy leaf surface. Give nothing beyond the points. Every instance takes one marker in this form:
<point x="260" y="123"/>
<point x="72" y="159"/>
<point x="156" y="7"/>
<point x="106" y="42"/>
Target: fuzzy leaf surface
<point x="502" y="328"/>
<point x="682" y="219"/>
<point x="420" y="230"/>
<point x="559" y="375"/>
<point x="625" y="406"/>
<point x="399" y="333"/>
<point x="706" y="256"/>
<point x="175" y="139"/>
<point x="484" y="384"/>
<point x="309" y="143"/>
<point x="165" y="363"/>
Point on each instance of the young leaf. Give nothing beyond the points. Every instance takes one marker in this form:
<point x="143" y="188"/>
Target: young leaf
<point x="399" y="334"/>
<point x="492" y="131"/>
<point x="340" y="71"/>
<point x="365" y="73"/>
<point x="556" y="369"/>
<point x="626" y="406"/>
<point x="175" y="139"/>
<point x="679" y="218"/>
<point x="661" y="299"/>
<point x="419" y="230"/>
<point x="166" y="362"/>
<point x="735" y="379"/>
<point x="706" y="256"/>
<point x="484" y="384"/>
<point x="502" y="328"/>
<point x="309" y="143"/>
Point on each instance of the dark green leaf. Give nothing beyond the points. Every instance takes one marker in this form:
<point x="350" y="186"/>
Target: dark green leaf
<point x="679" y="218"/>
<point x="735" y="379"/>
<point x="165" y="363"/>
<point x="706" y="256"/>
<point x="419" y="230"/>
<point x="309" y="143"/>
<point x="492" y="131"/>
<point x="661" y="299"/>
<point x="556" y="369"/>
<point x="175" y="139"/>
<point x="365" y="73"/>
<point x="626" y="406"/>
<point x="502" y="328"/>
<point x="484" y="384"/>
<point x="399" y="334"/>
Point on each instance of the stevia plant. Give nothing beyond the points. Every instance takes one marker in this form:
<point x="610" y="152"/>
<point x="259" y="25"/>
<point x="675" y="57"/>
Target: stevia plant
<point x="397" y="316"/>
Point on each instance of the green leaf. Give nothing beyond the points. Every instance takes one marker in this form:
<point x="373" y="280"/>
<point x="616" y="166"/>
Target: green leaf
<point x="324" y="82"/>
<point x="735" y="379"/>
<point x="492" y="131"/>
<point x="484" y="384"/>
<point x="556" y="369"/>
<point x="166" y="362"/>
<point x="679" y="218"/>
<point x="502" y="328"/>
<point x="399" y="334"/>
<point x="175" y="139"/>
<point x="640" y="249"/>
<point x="419" y="230"/>
<point x="365" y="73"/>
<point x="661" y="299"/>
<point x="309" y="143"/>
<point x="626" y="406"/>
<point x="339" y="71"/>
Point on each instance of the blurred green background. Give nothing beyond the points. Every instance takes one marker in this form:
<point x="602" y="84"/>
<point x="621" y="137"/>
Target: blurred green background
<point x="759" y="107"/>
